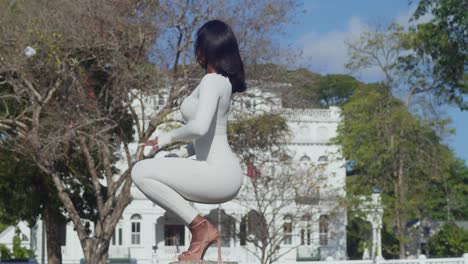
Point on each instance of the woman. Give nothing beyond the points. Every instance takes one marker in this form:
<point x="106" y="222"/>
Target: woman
<point x="216" y="175"/>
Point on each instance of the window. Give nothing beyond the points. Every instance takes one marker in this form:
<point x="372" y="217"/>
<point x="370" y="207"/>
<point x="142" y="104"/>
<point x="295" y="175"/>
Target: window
<point x="302" y="236"/>
<point x="306" y="232"/>
<point x="304" y="161"/>
<point x="120" y="236"/>
<point x="426" y="231"/>
<point x="304" y="158"/>
<point x="160" y="100"/>
<point x="136" y="229"/>
<point x="287" y="230"/>
<point x="114" y="237"/>
<point x="174" y="235"/>
<point x="323" y="230"/>
<point x="323" y="159"/>
<point x="243" y="231"/>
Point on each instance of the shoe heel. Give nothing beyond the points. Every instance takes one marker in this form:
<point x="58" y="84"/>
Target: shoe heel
<point x="219" y="249"/>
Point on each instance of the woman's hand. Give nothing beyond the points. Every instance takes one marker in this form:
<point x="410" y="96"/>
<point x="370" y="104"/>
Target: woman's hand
<point x="153" y="143"/>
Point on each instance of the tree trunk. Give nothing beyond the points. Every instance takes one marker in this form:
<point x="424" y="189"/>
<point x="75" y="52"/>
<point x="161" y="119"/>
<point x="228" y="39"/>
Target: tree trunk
<point x="52" y="218"/>
<point x="401" y="211"/>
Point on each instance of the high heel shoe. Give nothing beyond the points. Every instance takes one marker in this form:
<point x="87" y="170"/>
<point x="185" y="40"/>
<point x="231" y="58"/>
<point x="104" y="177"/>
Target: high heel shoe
<point x="200" y="252"/>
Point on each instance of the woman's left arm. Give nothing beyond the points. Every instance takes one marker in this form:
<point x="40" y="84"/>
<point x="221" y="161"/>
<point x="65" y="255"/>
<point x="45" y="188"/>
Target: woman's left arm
<point x="208" y="99"/>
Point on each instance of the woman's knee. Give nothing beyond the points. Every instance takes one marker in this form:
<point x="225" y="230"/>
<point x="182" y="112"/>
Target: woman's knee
<point x="137" y="172"/>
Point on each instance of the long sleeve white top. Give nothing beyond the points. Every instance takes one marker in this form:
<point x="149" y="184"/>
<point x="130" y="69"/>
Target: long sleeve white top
<point x="208" y="93"/>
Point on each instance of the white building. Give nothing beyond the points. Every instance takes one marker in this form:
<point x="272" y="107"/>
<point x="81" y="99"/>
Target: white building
<point x="149" y="234"/>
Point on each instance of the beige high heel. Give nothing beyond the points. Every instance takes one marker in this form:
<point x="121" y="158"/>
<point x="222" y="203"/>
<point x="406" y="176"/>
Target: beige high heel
<point x="200" y="252"/>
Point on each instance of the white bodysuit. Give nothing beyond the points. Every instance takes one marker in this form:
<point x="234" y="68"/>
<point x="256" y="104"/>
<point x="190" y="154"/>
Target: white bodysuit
<point x="216" y="175"/>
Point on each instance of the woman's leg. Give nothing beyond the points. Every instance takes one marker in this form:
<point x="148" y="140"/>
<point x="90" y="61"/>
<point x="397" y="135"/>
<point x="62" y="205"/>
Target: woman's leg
<point x="194" y="180"/>
<point x="161" y="194"/>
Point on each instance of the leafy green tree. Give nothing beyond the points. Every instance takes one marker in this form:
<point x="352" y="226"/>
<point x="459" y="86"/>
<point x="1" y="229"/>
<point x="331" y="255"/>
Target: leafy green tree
<point x="450" y="241"/>
<point x="252" y="135"/>
<point x="336" y="89"/>
<point x="37" y="197"/>
<point x="392" y="149"/>
<point x="443" y="40"/>
<point x="448" y="200"/>
<point x="5" y="252"/>
<point x="358" y="236"/>
<point x="18" y="251"/>
<point x="396" y="143"/>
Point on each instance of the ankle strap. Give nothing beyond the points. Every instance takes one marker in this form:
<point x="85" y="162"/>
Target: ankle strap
<point x="199" y="223"/>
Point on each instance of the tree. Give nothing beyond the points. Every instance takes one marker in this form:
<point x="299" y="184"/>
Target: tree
<point x="406" y="76"/>
<point x="336" y="89"/>
<point x="358" y="237"/>
<point x="443" y="40"/>
<point x="76" y="84"/>
<point x="17" y="252"/>
<point x="451" y="241"/>
<point x="37" y="196"/>
<point x="391" y="149"/>
<point x="71" y="98"/>
<point x="448" y="195"/>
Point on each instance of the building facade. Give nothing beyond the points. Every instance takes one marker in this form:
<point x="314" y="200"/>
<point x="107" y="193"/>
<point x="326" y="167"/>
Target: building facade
<point x="150" y="235"/>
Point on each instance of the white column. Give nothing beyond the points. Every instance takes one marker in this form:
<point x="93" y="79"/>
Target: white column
<point x="374" y="241"/>
<point x="379" y="243"/>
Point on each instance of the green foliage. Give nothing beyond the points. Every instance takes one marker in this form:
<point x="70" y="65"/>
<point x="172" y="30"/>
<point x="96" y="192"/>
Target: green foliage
<point x="390" y="148"/>
<point x="450" y="241"/>
<point x="5" y="252"/>
<point x="443" y="39"/>
<point x="18" y="251"/>
<point x="19" y="173"/>
<point x="336" y="89"/>
<point x="358" y="237"/>
<point x="448" y="200"/>
<point x="390" y="247"/>
<point x="258" y="134"/>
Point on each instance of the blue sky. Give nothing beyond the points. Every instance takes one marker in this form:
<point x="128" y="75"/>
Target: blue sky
<point x="321" y="30"/>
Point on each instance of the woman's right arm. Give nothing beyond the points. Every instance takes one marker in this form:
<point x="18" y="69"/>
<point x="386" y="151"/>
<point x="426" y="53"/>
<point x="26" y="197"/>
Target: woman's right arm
<point x="208" y="98"/>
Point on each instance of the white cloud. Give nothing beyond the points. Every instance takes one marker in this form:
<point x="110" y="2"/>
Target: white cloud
<point x="327" y="52"/>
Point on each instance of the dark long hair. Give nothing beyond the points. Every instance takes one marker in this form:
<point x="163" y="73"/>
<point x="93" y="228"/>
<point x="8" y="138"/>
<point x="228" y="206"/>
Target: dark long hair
<point x="216" y="43"/>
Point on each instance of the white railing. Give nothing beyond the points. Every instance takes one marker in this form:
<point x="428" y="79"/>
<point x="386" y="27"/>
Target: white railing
<point x="420" y="260"/>
<point x="228" y="254"/>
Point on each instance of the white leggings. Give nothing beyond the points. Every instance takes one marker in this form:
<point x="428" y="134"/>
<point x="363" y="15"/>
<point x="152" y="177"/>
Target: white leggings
<point x="172" y="182"/>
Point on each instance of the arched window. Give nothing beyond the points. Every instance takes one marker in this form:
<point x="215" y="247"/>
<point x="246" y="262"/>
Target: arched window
<point x="323" y="159"/>
<point x="304" y="158"/>
<point x="136" y="229"/>
<point x="304" y="161"/>
<point x="287" y="230"/>
<point x="323" y="230"/>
